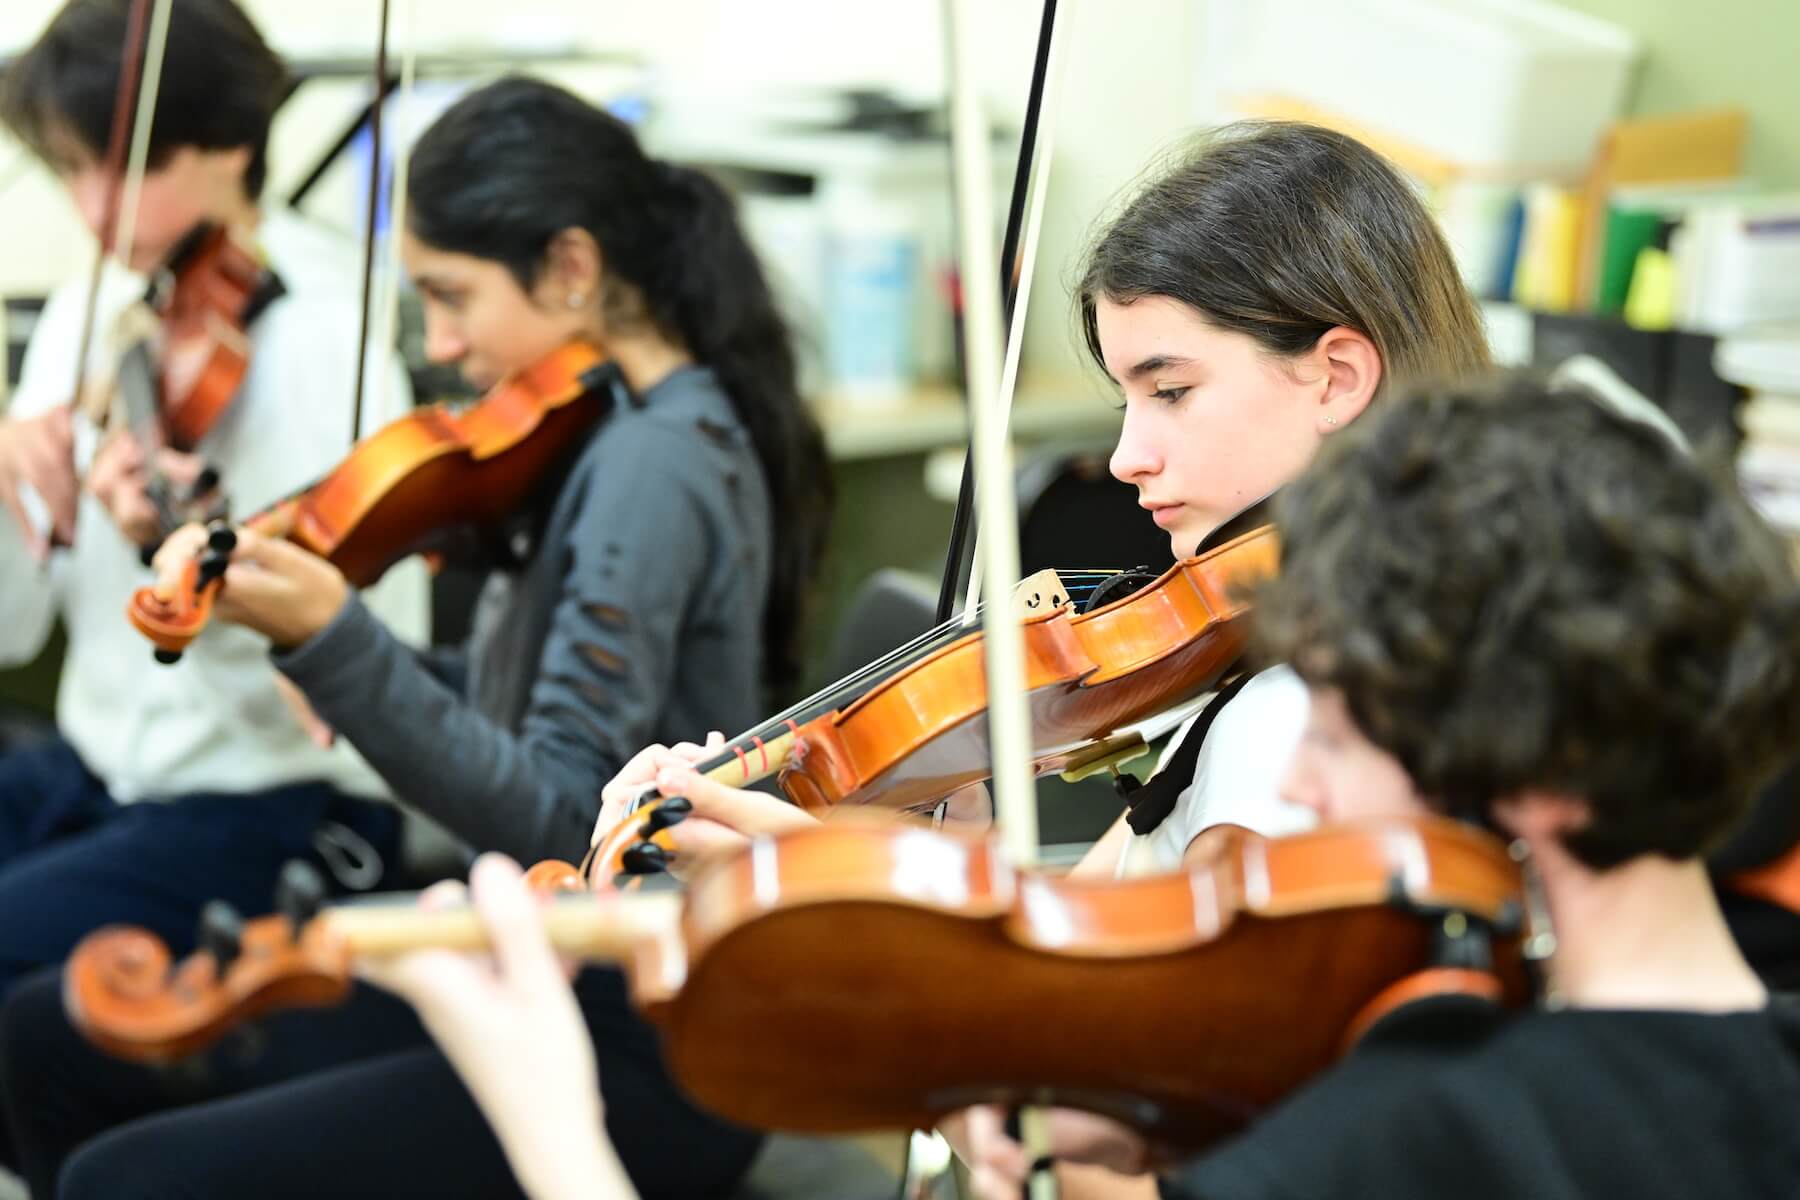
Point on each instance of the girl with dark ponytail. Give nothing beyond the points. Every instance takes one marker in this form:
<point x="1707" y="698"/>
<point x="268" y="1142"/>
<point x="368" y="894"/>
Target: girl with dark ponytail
<point x="507" y="173"/>
<point x="650" y="592"/>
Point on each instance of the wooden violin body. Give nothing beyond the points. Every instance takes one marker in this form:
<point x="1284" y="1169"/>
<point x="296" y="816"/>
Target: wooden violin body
<point x="865" y="975"/>
<point x="923" y="733"/>
<point x="216" y="289"/>
<point x="429" y="470"/>
<point x="920" y="731"/>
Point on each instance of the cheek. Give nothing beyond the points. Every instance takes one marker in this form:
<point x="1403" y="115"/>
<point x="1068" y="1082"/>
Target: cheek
<point x="164" y="212"/>
<point x="1384" y="787"/>
<point x="510" y="332"/>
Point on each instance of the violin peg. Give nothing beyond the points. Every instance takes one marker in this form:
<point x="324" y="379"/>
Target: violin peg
<point x="646" y="858"/>
<point x="299" y="893"/>
<point x="672" y="811"/>
<point x="221" y="538"/>
<point x="212" y="566"/>
<point x="221" y="933"/>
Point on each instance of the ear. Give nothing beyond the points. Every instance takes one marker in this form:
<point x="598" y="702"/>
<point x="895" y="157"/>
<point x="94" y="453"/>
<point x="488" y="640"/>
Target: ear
<point x="1352" y="374"/>
<point x="572" y="270"/>
<point x="231" y="163"/>
<point x="1541" y="818"/>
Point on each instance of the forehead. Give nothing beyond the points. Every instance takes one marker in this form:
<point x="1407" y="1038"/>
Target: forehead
<point x="1159" y="327"/>
<point x="422" y="258"/>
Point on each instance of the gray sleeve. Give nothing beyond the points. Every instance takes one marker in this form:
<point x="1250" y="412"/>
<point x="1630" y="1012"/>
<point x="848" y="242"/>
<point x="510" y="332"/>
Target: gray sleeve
<point x="636" y="552"/>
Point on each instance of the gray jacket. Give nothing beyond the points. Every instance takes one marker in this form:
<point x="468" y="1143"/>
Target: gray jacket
<point x="636" y="618"/>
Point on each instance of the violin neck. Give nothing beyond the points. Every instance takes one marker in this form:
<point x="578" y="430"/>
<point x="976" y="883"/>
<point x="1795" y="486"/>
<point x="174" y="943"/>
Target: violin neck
<point x="750" y="758"/>
<point x="590" y="928"/>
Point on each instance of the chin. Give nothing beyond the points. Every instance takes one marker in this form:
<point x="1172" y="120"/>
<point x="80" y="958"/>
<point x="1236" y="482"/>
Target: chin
<point x="1186" y="539"/>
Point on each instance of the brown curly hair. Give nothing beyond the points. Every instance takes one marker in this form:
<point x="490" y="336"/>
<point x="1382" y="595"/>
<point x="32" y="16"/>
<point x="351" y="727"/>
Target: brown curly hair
<point x="1517" y="588"/>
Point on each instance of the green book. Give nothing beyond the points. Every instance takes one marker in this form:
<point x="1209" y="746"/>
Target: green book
<point x="1628" y="231"/>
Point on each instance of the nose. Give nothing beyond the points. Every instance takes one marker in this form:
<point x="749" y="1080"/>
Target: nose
<point x="88" y="190"/>
<point x="1303" y="785"/>
<point x="1137" y="455"/>
<point x="444" y="342"/>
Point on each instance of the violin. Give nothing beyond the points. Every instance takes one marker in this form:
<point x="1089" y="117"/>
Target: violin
<point x="432" y="469"/>
<point x="912" y="728"/>
<point x="215" y="284"/>
<point x="182" y="354"/>
<point x="869" y="975"/>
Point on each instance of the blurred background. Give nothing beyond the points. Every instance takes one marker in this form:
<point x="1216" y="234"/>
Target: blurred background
<point x="1619" y="178"/>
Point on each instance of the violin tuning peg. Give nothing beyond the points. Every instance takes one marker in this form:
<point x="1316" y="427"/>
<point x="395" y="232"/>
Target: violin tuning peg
<point x="646" y="858"/>
<point x="299" y="893"/>
<point x="212" y="566"/>
<point x="221" y="538"/>
<point x="204" y="482"/>
<point x="221" y="933"/>
<point x="672" y="811"/>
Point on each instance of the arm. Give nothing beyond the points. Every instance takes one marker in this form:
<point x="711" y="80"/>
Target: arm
<point x="36" y="450"/>
<point x="1102" y="858"/>
<point x="601" y="682"/>
<point x="510" y="1026"/>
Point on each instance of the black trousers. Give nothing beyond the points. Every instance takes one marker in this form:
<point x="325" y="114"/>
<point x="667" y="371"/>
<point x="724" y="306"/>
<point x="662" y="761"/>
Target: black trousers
<point x="346" y="1102"/>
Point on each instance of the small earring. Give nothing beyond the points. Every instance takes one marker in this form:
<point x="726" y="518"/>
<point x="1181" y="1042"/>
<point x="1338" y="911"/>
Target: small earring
<point x="576" y="299"/>
<point x="1330" y="420"/>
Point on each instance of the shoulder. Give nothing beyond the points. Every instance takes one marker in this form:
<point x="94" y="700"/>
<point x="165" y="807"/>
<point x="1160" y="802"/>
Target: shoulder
<point x="1270" y="710"/>
<point x="1417" y="1097"/>
<point x="683" y="431"/>
<point x="675" y="456"/>
<point x="1241" y="764"/>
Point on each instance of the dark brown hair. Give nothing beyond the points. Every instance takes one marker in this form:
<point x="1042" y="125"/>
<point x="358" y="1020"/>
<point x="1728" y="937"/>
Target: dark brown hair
<point x="219" y="89"/>
<point x="1520" y="589"/>
<point x="1283" y="231"/>
<point x="513" y="164"/>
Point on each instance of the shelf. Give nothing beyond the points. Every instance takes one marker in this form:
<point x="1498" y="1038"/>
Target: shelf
<point x="931" y="418"/>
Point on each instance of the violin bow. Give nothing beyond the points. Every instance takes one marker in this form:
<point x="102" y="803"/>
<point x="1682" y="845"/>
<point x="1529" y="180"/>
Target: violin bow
<point x="134" y="106"/>
<point x="1010" y="288"/>
<point x="370" y="212"/>
<point x="995" y="498"/>
<point x="388" y="337"/>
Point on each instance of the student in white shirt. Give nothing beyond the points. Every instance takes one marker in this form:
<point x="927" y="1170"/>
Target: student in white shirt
<point x="169" y="785"/>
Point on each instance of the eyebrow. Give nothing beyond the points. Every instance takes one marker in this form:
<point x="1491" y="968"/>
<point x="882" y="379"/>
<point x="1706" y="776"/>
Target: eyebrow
<point x="432" y="283"/>
<point x="1155" y="363"/>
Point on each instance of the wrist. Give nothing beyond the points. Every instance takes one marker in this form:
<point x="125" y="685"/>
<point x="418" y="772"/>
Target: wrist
<point x="581" y="1166"/>
<point x="303" y="621"/>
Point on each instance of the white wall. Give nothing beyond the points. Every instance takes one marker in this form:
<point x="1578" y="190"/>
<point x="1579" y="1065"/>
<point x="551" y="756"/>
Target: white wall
<point x="1128" y="88"/>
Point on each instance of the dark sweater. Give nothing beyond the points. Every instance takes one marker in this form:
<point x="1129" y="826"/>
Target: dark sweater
<point x="1582" y="1104"/>
<point x="635" y="618"/>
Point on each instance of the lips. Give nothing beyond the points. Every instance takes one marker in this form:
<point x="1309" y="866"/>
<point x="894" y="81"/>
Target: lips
<point x="1163" y="514"/>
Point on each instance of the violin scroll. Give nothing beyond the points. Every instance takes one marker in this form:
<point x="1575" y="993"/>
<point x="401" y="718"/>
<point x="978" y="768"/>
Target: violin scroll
<point x="173" y="617"/>
<point x="124" y="993"/>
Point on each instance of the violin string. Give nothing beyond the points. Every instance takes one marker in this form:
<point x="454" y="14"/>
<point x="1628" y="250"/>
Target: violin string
<point x="830" y="695"/>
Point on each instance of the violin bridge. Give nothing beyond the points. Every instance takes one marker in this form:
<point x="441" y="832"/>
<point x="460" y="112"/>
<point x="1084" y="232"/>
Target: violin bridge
<point x="1039" y="593"/>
